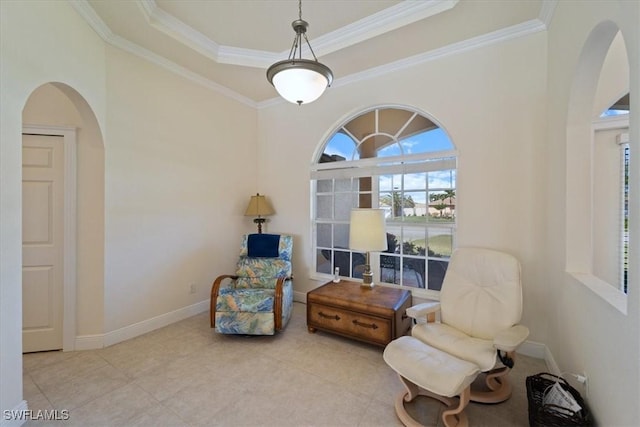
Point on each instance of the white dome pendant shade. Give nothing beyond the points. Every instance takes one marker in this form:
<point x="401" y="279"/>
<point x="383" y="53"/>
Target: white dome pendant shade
<point x="298" y="80"/>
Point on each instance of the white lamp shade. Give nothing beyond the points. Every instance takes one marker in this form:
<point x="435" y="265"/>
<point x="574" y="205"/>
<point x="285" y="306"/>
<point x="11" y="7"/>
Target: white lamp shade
<point x="367" y="230"/>
<point x="299" y="85"/>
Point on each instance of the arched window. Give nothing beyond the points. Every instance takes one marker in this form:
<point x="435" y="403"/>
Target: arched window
<point x="403" y="162"/>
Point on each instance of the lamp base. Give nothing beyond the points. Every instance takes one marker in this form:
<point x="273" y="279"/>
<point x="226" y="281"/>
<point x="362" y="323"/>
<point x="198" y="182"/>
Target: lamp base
<point x="367" y="280"/>
<point x="260" y="221"/>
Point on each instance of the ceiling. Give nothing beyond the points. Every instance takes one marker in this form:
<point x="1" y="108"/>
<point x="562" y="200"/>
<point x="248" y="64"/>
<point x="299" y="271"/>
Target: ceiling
<point x="228" y="44"/>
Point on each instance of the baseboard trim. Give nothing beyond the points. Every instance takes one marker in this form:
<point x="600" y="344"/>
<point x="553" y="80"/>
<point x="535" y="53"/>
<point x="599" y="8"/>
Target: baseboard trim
<point x="15" y="417"/>
<point x="89" y="342"/>
<point x="92" y="342"/>
<point x="300" y="297"/>
<point x="551" y="362"/>
<point x="140" y="328"/>
<point x="533" y="349"/>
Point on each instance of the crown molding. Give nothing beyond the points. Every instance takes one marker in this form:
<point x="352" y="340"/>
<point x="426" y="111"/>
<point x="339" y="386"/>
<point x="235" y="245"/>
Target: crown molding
<point x="384" y="21"/>
<point x="520" y="30"/>
<point x="85" y="10"/>
<point x="526" y="28"/>
<point x="403" y="13"/>
<point x="547" y="10"/>
<point x="178" y="30"/>
<point x="98" y="25"/>
<point x="167" y="64"/>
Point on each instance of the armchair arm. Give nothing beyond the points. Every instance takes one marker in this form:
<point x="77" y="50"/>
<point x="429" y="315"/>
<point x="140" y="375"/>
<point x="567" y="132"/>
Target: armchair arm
<point x="277" y="303"/>
<point x="215" y="288"/>
<point x="510" y="339"/>
<point x="426" y="310"/>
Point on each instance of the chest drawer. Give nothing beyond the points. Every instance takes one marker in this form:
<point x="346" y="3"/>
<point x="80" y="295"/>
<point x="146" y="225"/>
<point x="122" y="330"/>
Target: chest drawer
<point x="351" y="324"/>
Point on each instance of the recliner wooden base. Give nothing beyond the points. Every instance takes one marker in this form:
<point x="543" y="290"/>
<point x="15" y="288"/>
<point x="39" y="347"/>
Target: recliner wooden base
<point x="498" y="385"/>
<point x="454" y="416"/>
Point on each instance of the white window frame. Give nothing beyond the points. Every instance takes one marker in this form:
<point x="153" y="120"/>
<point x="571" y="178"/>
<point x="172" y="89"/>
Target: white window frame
<point x="610" y="294"/>
<point x="374" y="167"/>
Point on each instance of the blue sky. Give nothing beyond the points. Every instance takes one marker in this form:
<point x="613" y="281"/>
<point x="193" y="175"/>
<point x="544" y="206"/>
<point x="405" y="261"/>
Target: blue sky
<point x="433" y="140"/>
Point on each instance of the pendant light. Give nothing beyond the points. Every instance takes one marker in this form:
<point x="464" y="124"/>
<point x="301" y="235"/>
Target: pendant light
<point x="298" y="80"/>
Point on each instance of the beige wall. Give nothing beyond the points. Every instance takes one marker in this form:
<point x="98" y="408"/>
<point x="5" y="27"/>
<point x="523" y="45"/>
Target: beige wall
<point x="33" y="51"/>
<point x="180" y="162"/>
<point x="176" y="161"/>
<point x="490" y="101"/>
<point x="586" y="333"/>
<point x="179" y="172"/>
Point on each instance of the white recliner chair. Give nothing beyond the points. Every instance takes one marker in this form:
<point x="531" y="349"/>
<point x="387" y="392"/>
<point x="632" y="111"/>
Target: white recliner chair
<point x="477" y="334"/>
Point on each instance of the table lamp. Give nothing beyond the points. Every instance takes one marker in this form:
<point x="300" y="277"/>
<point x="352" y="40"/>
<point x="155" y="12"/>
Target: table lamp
<point x="367" y="233"/>
<point x="259" y="207"/>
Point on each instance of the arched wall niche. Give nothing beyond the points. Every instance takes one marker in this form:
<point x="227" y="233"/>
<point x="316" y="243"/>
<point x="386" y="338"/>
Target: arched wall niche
<point x="54" y="107"/>
<point x="580" y="200"/>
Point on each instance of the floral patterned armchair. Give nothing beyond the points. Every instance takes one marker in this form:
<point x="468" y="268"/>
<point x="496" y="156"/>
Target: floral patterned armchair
<point x="258" y="298"/>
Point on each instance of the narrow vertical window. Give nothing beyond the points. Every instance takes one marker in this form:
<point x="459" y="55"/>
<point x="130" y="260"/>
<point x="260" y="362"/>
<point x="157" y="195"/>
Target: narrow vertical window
<point x="624" y="210"/>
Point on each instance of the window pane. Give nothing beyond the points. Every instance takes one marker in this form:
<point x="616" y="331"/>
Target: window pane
<point x="417" y="125"/>
<point x="440" y="243"/>
<point x="324" y="207"/>
<point x="442" y="205"/>
<point x="341" y="259"/>
<point x="390" y="269"/>
<point x="432" y="140"/>
<point x="393" y="202"/>
<point x="339" y="148"/>
<point x="393" y="239"/>
<point x="414" y="206"/>
<point x="344" y="203"/>
<point x="415" y="181"/>
<point x="389" y="182"/>
<point x="344" y="184"/>
<point x="413" y="273"/>
<point x="324" y="185"/>
<point x="341" y="236"/>
<point x="358" y="262"/>
<point x="437" y="269"/>
<point x="393" y="120"/>
<point x="414" y="241"/>
<point x="323" y="235"/>
<point x="390" y="150"/>
<point x="323" y="261"/>
<point x="442" y="179"/>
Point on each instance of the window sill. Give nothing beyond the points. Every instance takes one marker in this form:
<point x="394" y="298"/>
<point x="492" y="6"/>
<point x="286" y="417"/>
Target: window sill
<point x="604" y="290"/>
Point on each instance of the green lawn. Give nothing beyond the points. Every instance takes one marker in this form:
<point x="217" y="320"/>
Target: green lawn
<point x="440" y="245"/>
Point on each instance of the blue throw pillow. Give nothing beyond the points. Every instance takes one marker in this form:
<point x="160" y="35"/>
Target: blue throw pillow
<point x="263" y="245"/>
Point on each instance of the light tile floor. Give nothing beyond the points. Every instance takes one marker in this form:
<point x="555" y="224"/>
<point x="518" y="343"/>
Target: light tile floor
<point x="187" y="375"/>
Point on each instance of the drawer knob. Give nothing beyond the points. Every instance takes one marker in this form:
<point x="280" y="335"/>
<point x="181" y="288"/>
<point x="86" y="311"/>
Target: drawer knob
<point x="327" y="316"/>
<point x="365" y="325"/>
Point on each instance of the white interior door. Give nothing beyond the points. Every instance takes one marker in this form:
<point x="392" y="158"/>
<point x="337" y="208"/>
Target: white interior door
<point x="42" y="242"/>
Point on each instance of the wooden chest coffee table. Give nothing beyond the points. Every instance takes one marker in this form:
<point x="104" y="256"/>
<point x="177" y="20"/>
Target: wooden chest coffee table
<point x="376" y="316"/>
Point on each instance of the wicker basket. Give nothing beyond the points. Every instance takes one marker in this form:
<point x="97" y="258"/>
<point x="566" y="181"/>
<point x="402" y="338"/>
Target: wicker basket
<point x="552" y="415"/>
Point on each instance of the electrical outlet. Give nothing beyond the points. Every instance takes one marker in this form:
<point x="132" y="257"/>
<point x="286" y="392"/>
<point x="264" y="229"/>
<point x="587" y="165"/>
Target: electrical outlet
<point x="584" y="380"/>
<point x="586" y="383"/>
<point x="192" y="288"/>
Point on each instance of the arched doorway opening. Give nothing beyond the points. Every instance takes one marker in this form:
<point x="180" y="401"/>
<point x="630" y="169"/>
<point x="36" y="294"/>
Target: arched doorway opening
<point x="59" y="110"/>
